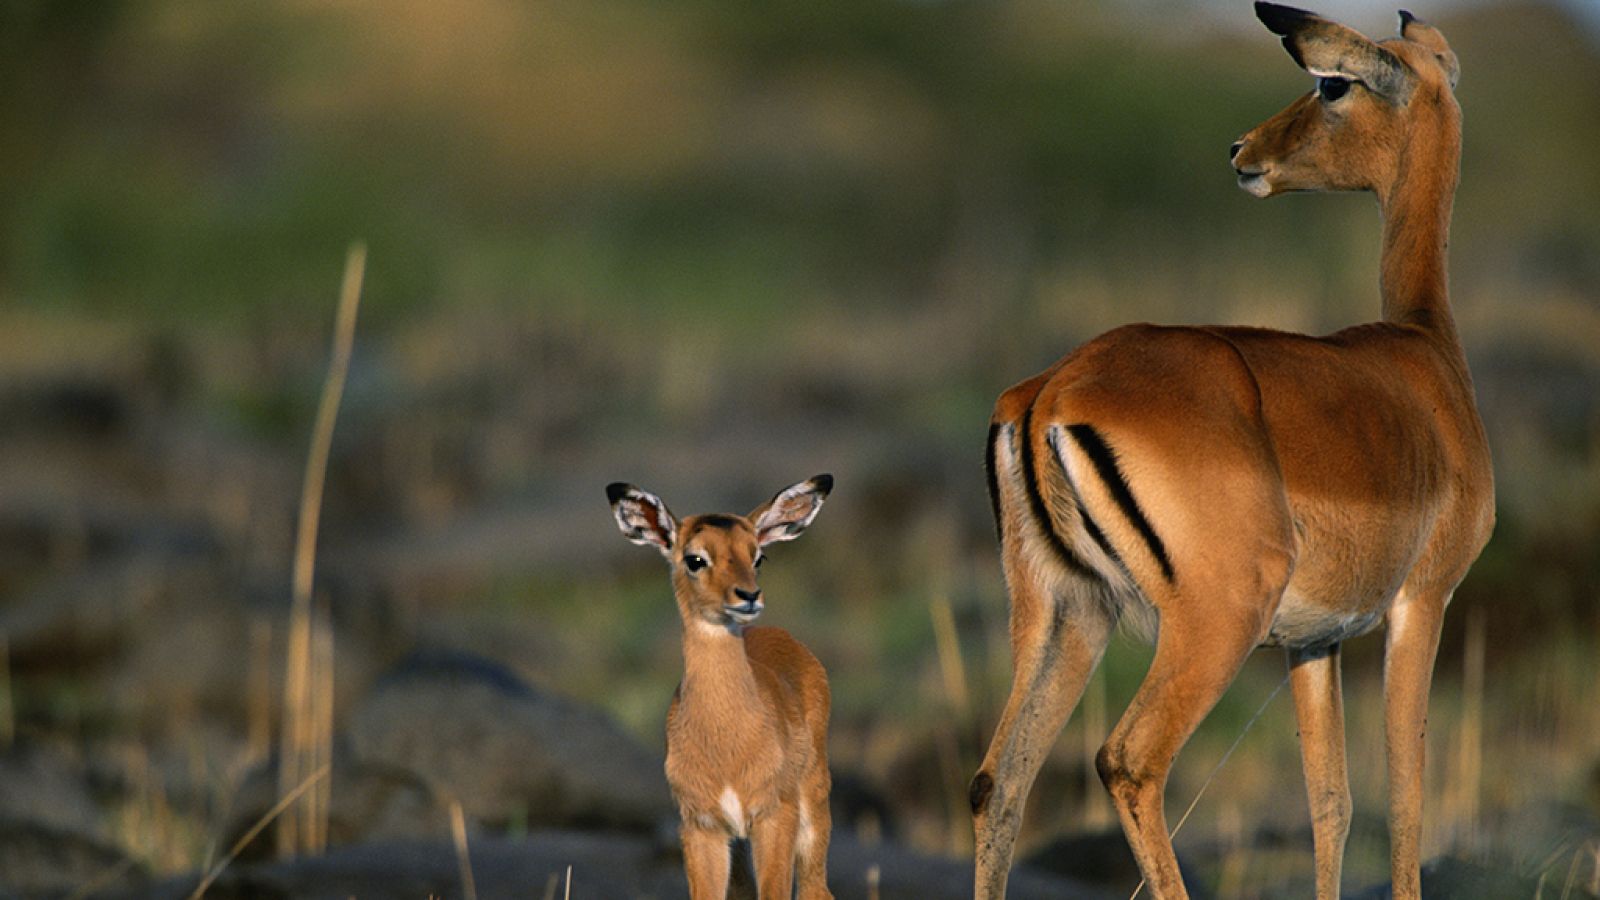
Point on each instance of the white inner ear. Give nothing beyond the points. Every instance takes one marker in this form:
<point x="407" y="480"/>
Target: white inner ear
<point x="634" y="515"/>
<point x="782" y="520"/>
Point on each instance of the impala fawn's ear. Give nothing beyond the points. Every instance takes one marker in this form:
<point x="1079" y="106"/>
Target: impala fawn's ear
<point x="785" y="517"/>
<point x="643" y="518"/>
<point x="1330" y="50"/>
<point x="1415" y="30"/>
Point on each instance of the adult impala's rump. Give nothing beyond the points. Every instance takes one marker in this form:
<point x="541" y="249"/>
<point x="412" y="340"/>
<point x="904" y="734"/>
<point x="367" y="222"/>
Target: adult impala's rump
<point x="1224" y="489"/>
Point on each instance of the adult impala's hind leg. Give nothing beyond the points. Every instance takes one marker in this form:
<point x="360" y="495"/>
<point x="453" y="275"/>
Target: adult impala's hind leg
<point x="1319" y="710"/>
<point x="1205" y="637"/>
<point x="1408" y="656"/>
<point x="1057" y="637"/>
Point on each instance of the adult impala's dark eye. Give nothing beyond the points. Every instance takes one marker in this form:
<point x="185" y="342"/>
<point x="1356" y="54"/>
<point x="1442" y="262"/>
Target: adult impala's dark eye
<point x="694" y="563"/>
<point x="1331" y="89"/>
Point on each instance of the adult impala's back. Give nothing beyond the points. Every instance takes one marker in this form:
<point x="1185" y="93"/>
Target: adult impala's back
<point x="1229" y="488"/>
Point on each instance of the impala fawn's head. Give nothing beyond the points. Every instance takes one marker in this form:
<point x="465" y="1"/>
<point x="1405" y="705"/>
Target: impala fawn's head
<point x="1372" y="102"/>
<point x="714" y="557"/>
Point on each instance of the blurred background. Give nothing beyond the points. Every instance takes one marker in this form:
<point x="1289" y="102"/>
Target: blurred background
<point x="711" y="248"/>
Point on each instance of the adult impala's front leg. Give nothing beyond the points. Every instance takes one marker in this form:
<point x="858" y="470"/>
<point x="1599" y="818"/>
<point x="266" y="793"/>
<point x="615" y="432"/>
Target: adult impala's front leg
<point x="1412" y="644"/>
<point x="1319" y="710"/>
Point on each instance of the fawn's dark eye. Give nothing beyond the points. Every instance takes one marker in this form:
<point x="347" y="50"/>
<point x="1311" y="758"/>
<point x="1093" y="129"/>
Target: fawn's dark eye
<point x="1331" y="89"/>
<point x="694" y="563"/>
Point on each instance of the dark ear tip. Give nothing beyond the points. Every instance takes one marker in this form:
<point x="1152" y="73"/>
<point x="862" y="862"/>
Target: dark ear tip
<point x="1280" y="20"/>
<point x="616" y="490"/>
<point x="824" y="482"/>
<point x="1406" y="18"/>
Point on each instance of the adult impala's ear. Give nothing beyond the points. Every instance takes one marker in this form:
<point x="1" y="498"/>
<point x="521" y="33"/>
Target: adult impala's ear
<point x="1330" y="50"/>
<point x="786" y="516"/>
<point x="1418" y="31"/>
<point x="643" y="518"/>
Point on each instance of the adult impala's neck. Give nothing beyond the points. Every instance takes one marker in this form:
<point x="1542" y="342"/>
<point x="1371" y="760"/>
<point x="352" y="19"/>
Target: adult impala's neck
<point x="1416" y="228"/>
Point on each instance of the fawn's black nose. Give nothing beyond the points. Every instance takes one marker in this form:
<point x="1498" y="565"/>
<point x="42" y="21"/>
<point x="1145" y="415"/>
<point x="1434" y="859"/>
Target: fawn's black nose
<point x="747" y="596"/>
<point x="1234" y="150"/>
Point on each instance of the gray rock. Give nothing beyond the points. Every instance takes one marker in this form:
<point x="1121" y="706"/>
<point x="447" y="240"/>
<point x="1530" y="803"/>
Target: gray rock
<point x="42" y="860"/>
<point x="46" y="783"/>
<point x="474" y="731"/>
<point x="1445" y="878"/>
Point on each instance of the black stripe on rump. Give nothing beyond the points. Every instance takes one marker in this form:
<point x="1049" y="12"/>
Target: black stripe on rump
<point x="993" y="480"/>
<point x="1040" y="511"/>
<point x="1105" y="463"/>
<point x="1089" y="524"/>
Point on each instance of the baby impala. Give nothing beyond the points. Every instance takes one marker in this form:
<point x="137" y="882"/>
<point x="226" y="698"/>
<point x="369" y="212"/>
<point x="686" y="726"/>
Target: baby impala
<point x="747" y="734"/>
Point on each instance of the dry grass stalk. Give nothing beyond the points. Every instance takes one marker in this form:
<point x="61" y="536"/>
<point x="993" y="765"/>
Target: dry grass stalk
<point x="458" y="831"/>
<point x="258" y="740"/>
<point x="1572" y="873"/>
<point x="317" y="809"/>
<point x="954" y="676"/>
<point x="1594" y="872"/>
<point x="8" y="722"/>
<point x="567" y="894"/>
<point x="1469" y="768"/>
<point x="551" y="885"/>
<point x="297" y="752"/>
<point x="874" y="881"/>
<point x="256" y="829"/>
<point x="950" y="663"/>
<point x="1096" y="814"/>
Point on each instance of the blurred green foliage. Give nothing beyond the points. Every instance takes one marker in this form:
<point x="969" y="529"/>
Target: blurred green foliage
<point x="181" y="159"/>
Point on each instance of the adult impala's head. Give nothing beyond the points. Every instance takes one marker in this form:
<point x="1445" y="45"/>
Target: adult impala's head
<point x="1376" y="107"/>
<point x="714" y="557"/>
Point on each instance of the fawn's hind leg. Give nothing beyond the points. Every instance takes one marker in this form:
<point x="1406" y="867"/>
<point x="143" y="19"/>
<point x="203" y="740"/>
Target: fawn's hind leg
<point x="815" y="831"/>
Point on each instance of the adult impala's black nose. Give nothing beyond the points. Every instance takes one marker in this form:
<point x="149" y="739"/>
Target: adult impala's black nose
<point x="748" y="596"/>
<point x="1234" y="150"/>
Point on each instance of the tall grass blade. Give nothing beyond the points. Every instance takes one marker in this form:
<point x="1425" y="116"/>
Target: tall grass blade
<point x="8" y="723"/>
<point x="458" y="832"/>
<point x="256" y="829"/>
<point x="296" y="747"/>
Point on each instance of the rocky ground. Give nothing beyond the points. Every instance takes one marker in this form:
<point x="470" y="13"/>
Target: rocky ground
<point x="144" y="546"/>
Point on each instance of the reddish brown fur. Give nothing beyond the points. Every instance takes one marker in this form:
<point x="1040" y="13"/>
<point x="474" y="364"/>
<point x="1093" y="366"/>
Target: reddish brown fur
<point x="1303" y="489"/>
<point x="747" y="732"/>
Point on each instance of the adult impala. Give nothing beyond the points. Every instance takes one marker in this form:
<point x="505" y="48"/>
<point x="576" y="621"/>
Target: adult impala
<point x="1224" y="489"/>
<point x="747" y="733"/>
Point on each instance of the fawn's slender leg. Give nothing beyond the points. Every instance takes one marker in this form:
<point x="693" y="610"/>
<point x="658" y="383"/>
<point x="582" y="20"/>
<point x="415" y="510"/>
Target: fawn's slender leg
<point x="1319" y="709"/>
<point x="772" y="844"/>
<point x="706" y="861"/>
<point x="811" y="844"/>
